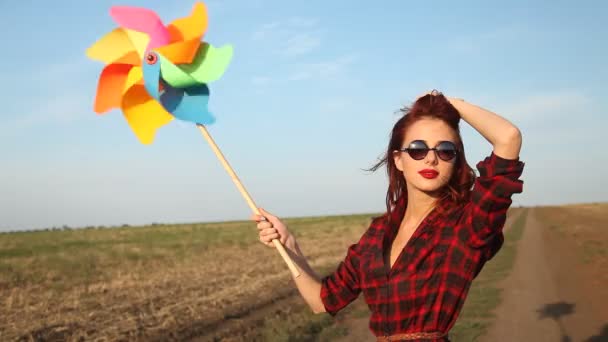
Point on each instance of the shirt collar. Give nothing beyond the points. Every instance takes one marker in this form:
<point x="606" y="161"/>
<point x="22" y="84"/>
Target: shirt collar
<point x="392" y="223"/>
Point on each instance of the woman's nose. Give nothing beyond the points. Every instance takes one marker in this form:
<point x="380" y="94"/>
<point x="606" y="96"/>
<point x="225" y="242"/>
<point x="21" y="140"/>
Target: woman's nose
<point x="431" y="157"/>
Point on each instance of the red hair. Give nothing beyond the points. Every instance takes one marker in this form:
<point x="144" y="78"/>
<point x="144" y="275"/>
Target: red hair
<point x="458" y="189"/>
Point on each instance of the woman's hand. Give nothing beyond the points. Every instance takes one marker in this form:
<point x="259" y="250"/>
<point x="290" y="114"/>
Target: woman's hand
<point x="433" y="92"/>
<point x="505" y="137"/>
<point x="271" y="227"/>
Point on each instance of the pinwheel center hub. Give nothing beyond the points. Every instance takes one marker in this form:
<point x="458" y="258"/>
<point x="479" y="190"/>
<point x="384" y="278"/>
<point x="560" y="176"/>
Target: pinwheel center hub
<point x="151" y="58"/>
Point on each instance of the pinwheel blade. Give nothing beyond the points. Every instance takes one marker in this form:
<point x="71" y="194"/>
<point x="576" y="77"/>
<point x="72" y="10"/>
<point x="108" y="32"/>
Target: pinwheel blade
<point x="192" y="27"/>
<point x="144" y="114"/>
<point x="189" y="104"/>
<point x="208" y="65"/>
<point x="110" y="47"/>
<point x="180" y="52"/>
<point x="142" y="20"/>
<point x="110" y="86"/>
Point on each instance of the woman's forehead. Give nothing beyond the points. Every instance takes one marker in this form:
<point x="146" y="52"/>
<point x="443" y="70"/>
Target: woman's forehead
<point x="431" y="131"/>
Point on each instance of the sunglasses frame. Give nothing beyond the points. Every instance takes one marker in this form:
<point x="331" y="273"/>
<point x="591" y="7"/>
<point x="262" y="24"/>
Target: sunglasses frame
<point x="427" y="148"/>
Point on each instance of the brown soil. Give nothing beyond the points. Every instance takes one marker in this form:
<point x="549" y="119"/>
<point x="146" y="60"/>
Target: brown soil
<point x="224" y="295"/>
<point x="552" y="294"/>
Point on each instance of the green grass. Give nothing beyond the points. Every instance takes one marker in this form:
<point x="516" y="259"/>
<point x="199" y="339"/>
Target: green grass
<point x="485" y="295"/>
<point x="301" y="325"/>
<point x="589" y="243"/>
<point x="83" y="256"/>
<point x="593" y="250"/>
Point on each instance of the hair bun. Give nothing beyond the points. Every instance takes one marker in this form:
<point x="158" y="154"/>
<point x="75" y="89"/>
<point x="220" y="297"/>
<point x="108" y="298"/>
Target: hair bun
<point x="434" y="105"/>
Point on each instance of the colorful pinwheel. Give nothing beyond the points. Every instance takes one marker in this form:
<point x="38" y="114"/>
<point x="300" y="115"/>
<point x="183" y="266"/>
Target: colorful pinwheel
<point x="140" y="51"/>
<point x="155" y="73"/>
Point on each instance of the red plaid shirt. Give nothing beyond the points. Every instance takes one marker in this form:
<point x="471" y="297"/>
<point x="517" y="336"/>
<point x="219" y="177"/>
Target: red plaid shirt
<point x="426" y="287"/>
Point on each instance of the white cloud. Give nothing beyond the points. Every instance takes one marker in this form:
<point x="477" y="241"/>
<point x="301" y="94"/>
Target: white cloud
<point x="290" y="37"/>
<point x="56" y="96"/>
<point x="265" y="31"/>
<point x="60" y="109"/>
<point x="542" y="106"/>
<point x="335" y="104"/>
<point x="300" y="75"/>
<point x="260" y="81"/>
<point x="301" y="43"/>
<point x="326" y="70"/>
<point x="479" y="42"/>
<point x="303" y="22"/>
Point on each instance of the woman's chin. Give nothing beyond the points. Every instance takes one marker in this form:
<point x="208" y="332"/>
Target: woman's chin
<point x="431" y="189"/>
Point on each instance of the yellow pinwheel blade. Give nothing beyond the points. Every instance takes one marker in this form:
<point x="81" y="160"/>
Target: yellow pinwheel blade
<point x="139" y="41"/>
<point x="143" y="113"/>
<point x="135" y="76"/>
<point x="110" y="47"/>
<point x="117" y="44"/>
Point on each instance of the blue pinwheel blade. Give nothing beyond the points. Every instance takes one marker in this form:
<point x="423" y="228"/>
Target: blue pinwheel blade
<point x="188" y="104"/>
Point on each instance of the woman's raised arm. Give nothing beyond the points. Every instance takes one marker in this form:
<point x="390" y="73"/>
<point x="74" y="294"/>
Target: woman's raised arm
<point x="502" y="134"/>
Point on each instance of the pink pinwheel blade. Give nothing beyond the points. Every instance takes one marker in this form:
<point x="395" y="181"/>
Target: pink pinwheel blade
<point x="142" y="20"/>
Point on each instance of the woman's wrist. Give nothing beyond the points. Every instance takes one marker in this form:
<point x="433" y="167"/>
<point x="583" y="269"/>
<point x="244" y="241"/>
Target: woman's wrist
<point x="454" y="101"/>
<point x="292" y="244"/>
<point x="459" y="104"/>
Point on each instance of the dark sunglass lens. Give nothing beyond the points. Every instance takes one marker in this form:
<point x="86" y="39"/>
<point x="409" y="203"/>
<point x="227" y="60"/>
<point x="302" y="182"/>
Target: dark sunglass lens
<point x="418" y="153"/>
<point x="446" y="151"/>
<point x="446" y="154"/>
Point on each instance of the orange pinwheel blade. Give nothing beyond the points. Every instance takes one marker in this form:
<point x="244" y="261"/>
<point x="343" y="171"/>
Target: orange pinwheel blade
<point x="180" y="52"/>
<point x="110" y="87"/>
<point x="190" y="27"/>
<point x="131" y="57"/>
<point x="143" y="113"/>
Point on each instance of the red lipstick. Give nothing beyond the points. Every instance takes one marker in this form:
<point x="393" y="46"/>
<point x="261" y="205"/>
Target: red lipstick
<point x="428" y="173"/>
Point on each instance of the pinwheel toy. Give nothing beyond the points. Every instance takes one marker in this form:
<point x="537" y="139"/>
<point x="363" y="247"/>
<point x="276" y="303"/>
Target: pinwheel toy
<point x="155" y="73"/>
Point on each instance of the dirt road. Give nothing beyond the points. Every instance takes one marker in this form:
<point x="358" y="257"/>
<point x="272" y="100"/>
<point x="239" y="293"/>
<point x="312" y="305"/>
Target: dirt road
<point x="546" y="297"/>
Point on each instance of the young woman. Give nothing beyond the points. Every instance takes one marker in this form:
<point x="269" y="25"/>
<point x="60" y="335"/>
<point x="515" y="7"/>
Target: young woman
<point x="416" y="262"/>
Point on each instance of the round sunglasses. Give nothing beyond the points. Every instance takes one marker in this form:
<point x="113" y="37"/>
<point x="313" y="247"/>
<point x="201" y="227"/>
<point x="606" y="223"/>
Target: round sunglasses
<point x="418" y="149"/>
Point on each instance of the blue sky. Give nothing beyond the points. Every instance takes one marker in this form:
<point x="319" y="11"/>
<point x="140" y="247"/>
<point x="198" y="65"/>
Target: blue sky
<point x="307" y="103"/>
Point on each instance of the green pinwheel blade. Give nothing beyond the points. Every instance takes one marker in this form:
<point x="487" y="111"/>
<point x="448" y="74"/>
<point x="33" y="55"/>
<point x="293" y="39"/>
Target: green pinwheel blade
<point x="175" y="76"/>
<point x="209" y="65"/>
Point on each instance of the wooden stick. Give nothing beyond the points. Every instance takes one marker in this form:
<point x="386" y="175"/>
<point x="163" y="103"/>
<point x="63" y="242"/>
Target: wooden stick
<point x="243" y="191"/>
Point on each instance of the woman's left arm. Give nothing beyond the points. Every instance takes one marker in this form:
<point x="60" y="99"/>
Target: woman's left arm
<point x="502" y="134"/>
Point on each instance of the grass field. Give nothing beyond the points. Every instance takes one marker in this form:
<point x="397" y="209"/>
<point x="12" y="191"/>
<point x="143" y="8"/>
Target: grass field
<point x="585" y="226"/>
<point x="158" y="282"/>
<point x="190" y="281"/>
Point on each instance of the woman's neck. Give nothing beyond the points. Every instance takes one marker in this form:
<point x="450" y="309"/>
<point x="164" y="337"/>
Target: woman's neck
<point x="419" y="204"/>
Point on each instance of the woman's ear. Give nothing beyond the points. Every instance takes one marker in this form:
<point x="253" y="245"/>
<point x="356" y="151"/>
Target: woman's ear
<point x="397" y="159"/>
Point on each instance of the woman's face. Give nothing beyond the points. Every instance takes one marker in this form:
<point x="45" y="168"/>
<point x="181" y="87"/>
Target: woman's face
<point x="432" y="132"/>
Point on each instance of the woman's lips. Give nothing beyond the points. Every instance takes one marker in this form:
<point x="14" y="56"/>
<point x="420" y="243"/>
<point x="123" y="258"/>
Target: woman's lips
<point x="426" y="173"/>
